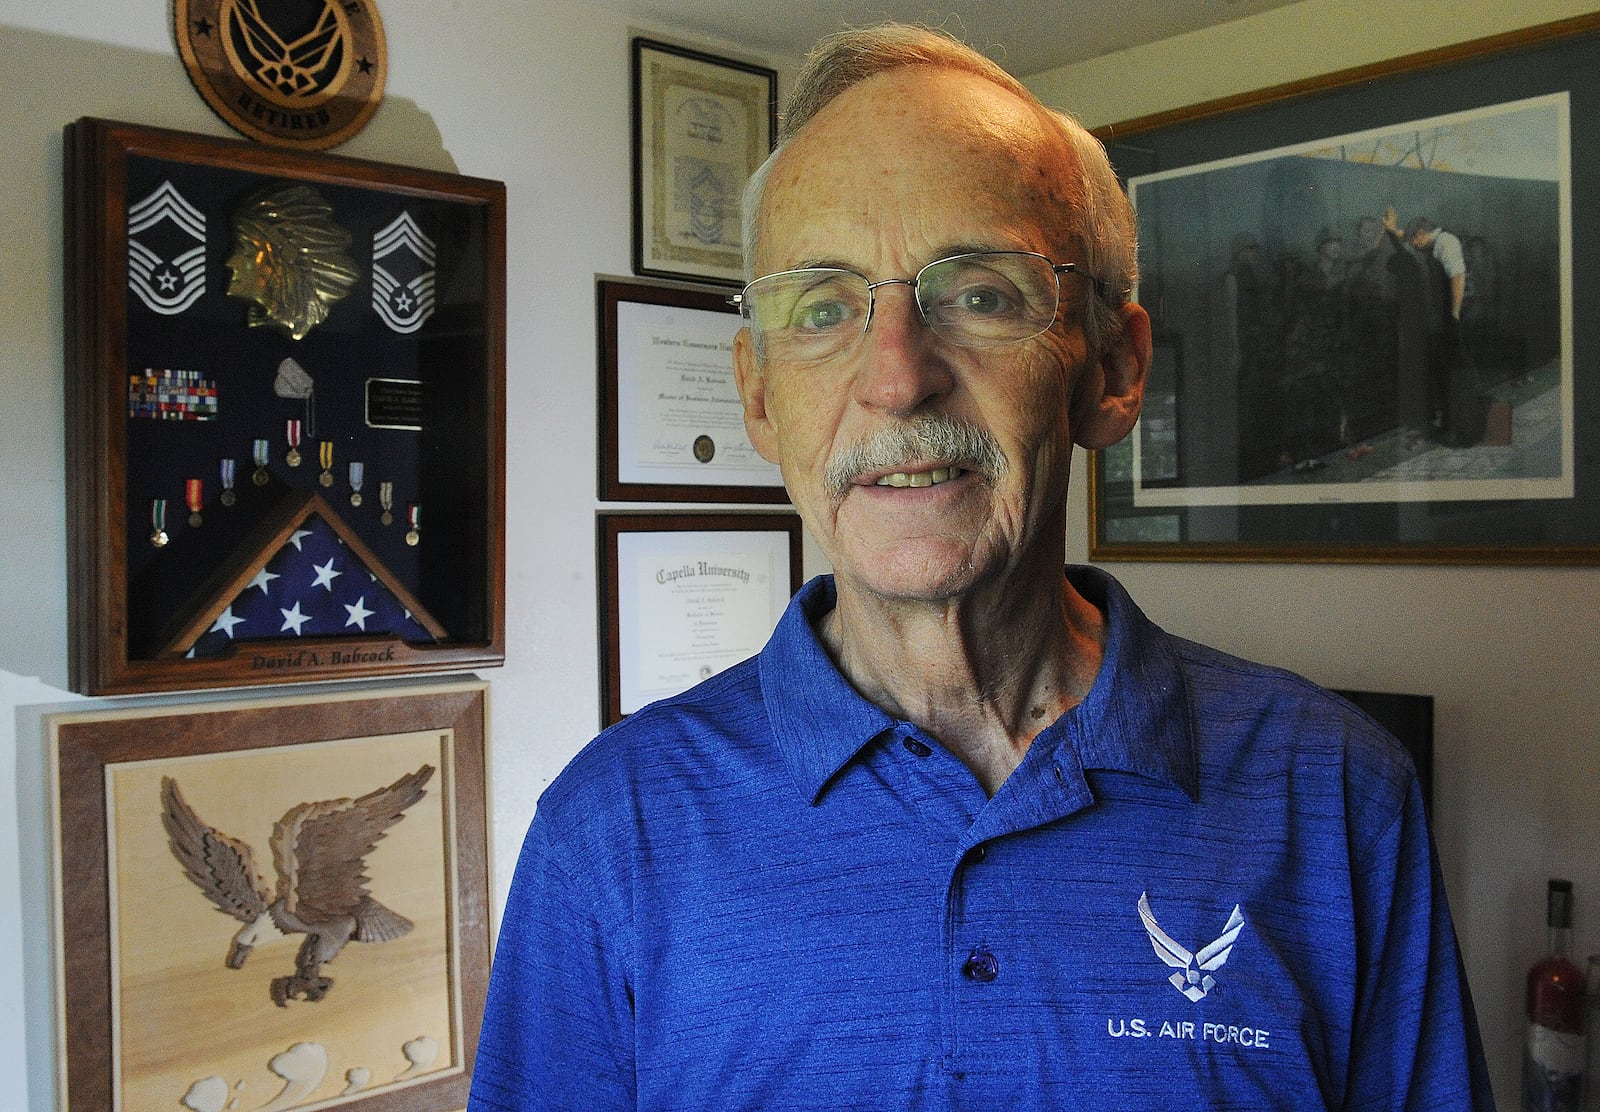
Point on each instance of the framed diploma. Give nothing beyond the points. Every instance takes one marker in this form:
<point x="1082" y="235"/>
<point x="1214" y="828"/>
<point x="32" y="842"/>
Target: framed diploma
<point x="684" y="596"/>
<point x="671" y="426"/>
<point x="701" y="126"/>
<point x="286" y="439"/>
<point x="198" y="847"/>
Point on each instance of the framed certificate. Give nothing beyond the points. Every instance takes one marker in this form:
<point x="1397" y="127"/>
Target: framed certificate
<point x="671" y="425"/>
<point x="701" y="127"/>
<point x="286" y="441"/>
<point x="198" y="847"/>
<point x="684" y="596"/>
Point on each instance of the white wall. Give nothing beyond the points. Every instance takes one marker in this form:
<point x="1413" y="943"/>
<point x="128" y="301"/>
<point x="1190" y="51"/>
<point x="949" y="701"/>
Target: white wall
<point x="1511" y="655"/>
<point x="530" y="92"/>
<point x="535" y="93"/>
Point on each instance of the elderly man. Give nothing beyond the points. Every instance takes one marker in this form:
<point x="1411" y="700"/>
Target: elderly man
<point x="969" y="832"/>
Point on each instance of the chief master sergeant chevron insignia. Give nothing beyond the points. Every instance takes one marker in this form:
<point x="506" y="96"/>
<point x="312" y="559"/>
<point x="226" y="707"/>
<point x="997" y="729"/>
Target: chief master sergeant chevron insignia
<point x="1196" y="979"/>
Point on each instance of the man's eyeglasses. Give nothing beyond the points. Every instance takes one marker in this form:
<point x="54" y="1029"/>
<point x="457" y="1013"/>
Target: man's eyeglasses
<point x="980" y="299"/>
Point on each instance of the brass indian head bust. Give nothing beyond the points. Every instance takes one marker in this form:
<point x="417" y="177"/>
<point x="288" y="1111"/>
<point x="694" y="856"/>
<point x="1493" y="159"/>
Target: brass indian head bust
<point x="289" y="258"/>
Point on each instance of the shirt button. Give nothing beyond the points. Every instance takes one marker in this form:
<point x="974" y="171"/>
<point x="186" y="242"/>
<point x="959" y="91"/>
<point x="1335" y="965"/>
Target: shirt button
<point x="981" y="966"/>
<point x="976" y="854"/>
<point x="916" y="748"/>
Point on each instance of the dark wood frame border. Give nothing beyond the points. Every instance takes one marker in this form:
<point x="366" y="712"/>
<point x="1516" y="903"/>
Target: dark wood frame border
<point x="609" y="525"/>
<point x="611" y="487"/>
<point x="1291" y="94"/>
<point x="96" y="359"/>
<point x="640" y="151"/>
<point x="82" y="746"/>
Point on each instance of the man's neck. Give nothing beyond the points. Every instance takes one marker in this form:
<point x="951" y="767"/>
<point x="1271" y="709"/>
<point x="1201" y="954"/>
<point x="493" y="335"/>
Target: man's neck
<point x="983" y="673"/>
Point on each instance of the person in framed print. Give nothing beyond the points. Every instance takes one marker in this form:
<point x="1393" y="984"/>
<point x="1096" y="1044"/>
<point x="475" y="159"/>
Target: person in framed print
<point x="971" y="831"/>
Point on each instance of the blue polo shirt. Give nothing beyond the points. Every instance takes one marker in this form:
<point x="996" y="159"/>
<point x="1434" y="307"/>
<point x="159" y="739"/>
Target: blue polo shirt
<point x="1210" y="885"/>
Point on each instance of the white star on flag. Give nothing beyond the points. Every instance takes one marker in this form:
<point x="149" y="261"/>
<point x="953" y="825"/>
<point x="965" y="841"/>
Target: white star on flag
<point x="294" y="618"/>
<point x="225" y="622"/>
<point x="325" y="575"/>
<point x="359" y="613"/>
<point x="317" y="585"/>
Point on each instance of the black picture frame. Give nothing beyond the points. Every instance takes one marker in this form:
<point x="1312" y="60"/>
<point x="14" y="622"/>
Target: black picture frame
<point x="701" y="126"/>
<point x="1409" y="717"/>
<point x="1289" y="445"/>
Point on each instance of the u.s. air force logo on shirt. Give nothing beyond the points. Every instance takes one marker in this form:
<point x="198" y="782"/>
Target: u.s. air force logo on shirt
<point x="1195" y="977"/>
<point x="1196" y="968"/>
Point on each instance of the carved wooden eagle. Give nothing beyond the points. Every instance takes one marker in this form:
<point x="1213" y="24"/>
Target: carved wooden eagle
<point x="319" y="850"/>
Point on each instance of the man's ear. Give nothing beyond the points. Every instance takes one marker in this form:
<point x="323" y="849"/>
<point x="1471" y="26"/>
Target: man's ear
<point x="1110" y="391"/>
<point x="750" y="377"/>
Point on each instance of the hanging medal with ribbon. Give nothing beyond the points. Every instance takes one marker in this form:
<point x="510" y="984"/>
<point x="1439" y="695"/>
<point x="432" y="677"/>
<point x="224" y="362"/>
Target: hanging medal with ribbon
<point x="414" y="516"/>
<point x="194" y="498"/>
<point x="357" y="474"/>
<point x="226" y="469"/>
<point x="261" y="454"/>
<point x="158" y="522"/>
<point x="325" y="457"/>
<point x="386" y="500"/>
<point x="291" y="433"/>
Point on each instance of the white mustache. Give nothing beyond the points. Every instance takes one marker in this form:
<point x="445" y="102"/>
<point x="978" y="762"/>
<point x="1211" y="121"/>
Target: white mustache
<point x="930" y="438"/>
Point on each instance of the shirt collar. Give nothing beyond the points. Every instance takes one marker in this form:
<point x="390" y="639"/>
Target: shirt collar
<point x="821" y="722"/>
<point x="1134" y="719"/>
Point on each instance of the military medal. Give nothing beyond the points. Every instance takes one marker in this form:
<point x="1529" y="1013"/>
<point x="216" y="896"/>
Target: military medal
<point x="227" y="467"/>
<point x="357" y="471"/>
<point x="292" y="434"/>
<point x="194" y="498"/>
<point x="325" y="456"/>
<point x="386" y="500"/>
<point x="414" y="515"/>
<point x="260" y="452"/>
<point x="158" y="522"/>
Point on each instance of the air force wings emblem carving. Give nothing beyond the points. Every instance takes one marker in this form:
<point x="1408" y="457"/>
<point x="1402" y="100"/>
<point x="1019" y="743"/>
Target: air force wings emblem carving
<point x="1195" y="979"/>
<point x="299" y="73"/>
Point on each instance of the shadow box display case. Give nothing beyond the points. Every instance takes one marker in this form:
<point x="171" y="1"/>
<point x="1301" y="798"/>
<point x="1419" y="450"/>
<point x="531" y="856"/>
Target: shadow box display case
<point x="285" y="414"/>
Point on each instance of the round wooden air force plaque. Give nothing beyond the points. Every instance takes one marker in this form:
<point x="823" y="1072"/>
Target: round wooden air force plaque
<point x="298" y="73"/>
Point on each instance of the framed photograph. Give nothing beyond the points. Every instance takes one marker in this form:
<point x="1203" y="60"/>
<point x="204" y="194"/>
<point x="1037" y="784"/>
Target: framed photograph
<point x="671" y="425"/>
<point x="701" y="126"/>
<point x="1376" y="316"/>
<point x="287" y="431"/>
<point x="278" y="903"/>
<point x="684" y="596"/>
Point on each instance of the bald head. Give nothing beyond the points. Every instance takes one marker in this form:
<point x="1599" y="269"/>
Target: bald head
<point x="1081" y="196"/>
